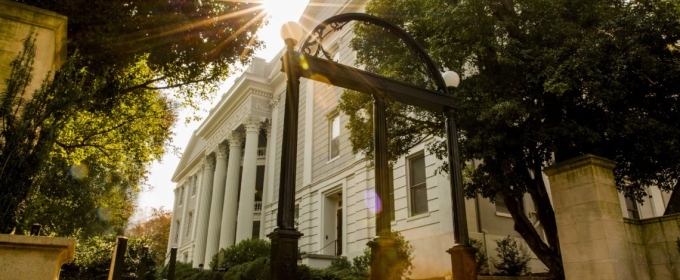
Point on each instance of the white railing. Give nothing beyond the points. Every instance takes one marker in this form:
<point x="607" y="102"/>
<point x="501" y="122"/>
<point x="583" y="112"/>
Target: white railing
<point x="258" y="207"/>
<point x="261" y="153"/>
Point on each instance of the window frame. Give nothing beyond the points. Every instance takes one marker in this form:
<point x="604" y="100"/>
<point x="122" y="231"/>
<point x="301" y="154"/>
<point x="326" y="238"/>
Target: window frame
<point x="190" y="218"/>
<point x="194" y="185"/>
<point x="412" y="197"/>
<point x="331" y="120"/>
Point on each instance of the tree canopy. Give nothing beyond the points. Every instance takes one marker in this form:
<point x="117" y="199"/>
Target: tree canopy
<point x="110" y="107"/>
<point x="156" y="228"/>
<point x="542" y="81"/>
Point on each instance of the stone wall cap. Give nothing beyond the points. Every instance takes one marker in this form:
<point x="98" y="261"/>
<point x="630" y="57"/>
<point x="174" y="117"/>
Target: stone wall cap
<point x="38" y="241"/>
<point x="41" y="12"/>
<point x="578" y="162"/>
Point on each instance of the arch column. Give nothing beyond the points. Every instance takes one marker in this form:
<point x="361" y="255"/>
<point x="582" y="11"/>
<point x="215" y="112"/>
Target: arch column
<point x="244" y="227"/>
<point x="228" y="228"/>
<point x="217" y="202"/>
<point x="208" y="166"/>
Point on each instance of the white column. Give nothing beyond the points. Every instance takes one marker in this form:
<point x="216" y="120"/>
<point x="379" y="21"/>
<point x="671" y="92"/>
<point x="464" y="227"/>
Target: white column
<point x="309" y="134"/>
<point x="187" y="193"/>
<point x="213" y="240"/>
<point x="265" y="190"/>
<point x="173" y="216"/>
<point x="228" y="227"/>
<point x="246" y="205"/>
<point x="204" y="210"/>
<point x="271" y="157"/>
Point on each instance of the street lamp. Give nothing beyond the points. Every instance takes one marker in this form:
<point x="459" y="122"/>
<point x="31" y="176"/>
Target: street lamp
<point x="284" y="238"/>
<point x="381" y="89"/>
<point x="463" y="261"/>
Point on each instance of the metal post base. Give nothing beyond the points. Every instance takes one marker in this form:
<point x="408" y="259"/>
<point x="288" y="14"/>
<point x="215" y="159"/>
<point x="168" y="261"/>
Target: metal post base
<point x="463" y="263"/>
<point x="284" y="253"/>
<point x="383" y="258"/>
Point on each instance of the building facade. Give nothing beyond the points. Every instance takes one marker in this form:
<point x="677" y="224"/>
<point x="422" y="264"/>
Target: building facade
<point x="227" y="179"/>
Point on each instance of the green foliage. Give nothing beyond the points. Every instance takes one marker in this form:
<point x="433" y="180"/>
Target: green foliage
<point x="109" y="105"/>
<point x="543" y="81"/>
<point x="190" y="46"/>
<point x="184" y="271"/>
<point x="512" y="258"/>
<point x="480" y="256"/>
<point x="257" y="269"/>
<point x="243" y="252"/>
<point x="404" y="264"/>
<point x="93" y="259"/>
<point x="360" y="266"/>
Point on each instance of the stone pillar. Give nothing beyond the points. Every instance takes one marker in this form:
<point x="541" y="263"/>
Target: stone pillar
<point x="593" y="238"/>
<point x="265" y="191"/>
<point x="231" y="193"/>
<point x="213" y="241"/>
<point x="246" y="205"/>
<point x="204" y="211"/>
<point x="34" y="257"/>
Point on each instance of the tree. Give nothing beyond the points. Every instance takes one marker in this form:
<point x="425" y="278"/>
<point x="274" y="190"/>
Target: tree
<point x="93" y="255"/>
<point x="543" y="81"/>
<point x="118" y="51"/>
<point x="156" y="228"/>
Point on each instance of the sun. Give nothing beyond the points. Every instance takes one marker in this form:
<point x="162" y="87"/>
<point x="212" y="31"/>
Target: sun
<point x="284" y="10"/>
<point x="278" y="12"/>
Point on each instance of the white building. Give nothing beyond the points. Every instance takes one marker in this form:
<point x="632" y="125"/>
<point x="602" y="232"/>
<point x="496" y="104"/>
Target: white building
<point x="238" y="147"/>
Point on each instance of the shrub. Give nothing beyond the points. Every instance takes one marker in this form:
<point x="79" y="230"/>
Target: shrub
<point x="245" y="251"/>
<point x="513" y="258"/>
<point x="257" y="269"/>
<point x="93" y="259"/>
<point x="480" y="256"/>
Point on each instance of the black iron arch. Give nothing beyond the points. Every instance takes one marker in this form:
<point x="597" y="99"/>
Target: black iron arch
<point x="313" y="44"/>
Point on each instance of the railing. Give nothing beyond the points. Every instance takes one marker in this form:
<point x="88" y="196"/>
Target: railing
<point x="261" y="153"/>
<point x="258" y="207"/>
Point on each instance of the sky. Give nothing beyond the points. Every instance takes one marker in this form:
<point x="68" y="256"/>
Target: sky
<point x="161" y="186"/>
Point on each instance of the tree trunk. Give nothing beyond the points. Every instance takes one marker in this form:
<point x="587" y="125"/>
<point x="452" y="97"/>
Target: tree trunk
<point x="550" y="257"/>
<point x="673" y="206"/>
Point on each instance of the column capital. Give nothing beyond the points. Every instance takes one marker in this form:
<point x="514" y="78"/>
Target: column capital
<point x="221" y="152"/>
<point x="276" y="100"/>
<point x="235" y="139"/>
<point x="252" y="124"/>
<point x="208" y="162"/>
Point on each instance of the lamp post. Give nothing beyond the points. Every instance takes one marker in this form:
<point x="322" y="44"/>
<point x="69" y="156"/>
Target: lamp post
<point x="380" y="88"/>
<point x="284" y="239"/>
<point x="462" y="254"/>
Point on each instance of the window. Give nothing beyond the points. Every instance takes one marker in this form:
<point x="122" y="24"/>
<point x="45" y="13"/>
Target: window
<point x="256" y="230"/>
<point x="500" y="204"/>
<point x="193" y="185"/>
<point x="181" y="195"/>
<point x="334" y="124"/>
<point x="418" y="186"/>
<point x="177" y="231"/>
<point x="631" y="206"/>
<point x="390" y="180"/>
<point x="296" y="215"/>
<point x="190" y="219"/>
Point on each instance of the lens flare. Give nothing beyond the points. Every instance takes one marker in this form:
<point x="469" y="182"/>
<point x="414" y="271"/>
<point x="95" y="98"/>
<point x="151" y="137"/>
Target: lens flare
<point x="104" y="213"/>
<point x="303" y="62"/>
<point x="372" y="201"/>
<point x="78" y="171"/>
